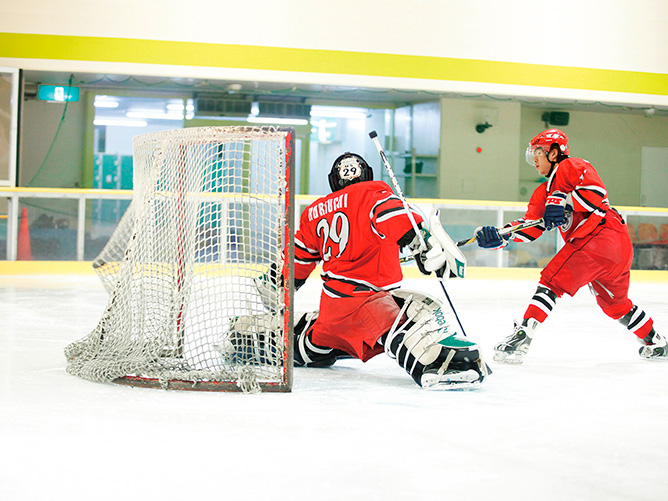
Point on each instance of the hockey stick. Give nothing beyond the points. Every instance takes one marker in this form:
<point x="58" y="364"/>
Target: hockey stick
<point x="505" y="231"/>
<point x="397" y="189"/>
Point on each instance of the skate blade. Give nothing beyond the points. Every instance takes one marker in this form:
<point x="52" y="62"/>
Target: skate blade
<point x="651" y="356"/>
<point x="457" y="381"/>
<point x="453" y="385"/>
<point x="508" y="358"/>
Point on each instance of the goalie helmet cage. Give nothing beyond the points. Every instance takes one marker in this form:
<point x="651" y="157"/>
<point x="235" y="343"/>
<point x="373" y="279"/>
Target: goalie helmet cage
<point x="212" y="210"/>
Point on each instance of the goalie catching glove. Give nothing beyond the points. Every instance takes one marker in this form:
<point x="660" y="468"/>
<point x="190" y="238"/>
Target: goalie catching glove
<point x="441" y="256"/>
<point x="269" y="287"/>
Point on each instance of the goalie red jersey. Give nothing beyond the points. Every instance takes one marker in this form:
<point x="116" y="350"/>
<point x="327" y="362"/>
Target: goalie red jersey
<point x="354" y="233"/>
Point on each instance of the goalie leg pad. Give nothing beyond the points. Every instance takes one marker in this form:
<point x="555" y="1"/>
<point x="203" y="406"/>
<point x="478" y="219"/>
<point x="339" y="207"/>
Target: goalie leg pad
<point x="432" y="365"/>
<point x="432" y="354"/>
<point x="420" y="307"/>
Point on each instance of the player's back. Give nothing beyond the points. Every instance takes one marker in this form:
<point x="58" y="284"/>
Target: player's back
<point x="355" y="230"/>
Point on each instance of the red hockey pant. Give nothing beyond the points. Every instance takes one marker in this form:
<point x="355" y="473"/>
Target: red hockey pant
<point x="602" y="258"/>
<point x="354" y="324"/>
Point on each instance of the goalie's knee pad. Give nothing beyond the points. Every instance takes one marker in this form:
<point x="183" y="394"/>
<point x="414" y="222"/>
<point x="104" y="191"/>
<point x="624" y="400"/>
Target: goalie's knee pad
<point x="306" y="352"/>
<point x="419" y="307"/>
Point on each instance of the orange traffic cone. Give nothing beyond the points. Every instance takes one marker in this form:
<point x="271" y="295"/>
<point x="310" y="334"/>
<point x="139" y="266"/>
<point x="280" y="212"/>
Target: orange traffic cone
<point x="23" y="251"/>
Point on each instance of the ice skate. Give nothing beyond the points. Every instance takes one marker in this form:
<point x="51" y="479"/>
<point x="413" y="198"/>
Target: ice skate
<point x="513" y="349"/>
<point x="656" y="346"/>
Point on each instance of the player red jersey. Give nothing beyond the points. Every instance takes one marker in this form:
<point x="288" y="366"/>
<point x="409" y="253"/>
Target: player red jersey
<point x="580" y="261"/>
<point x="597" y="249"/>
<point x="341" y="228"/>
<point x="587" y="197"/>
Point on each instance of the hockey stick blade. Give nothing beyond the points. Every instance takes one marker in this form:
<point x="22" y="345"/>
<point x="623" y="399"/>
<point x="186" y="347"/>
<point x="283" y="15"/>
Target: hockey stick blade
<point x="505" y="231"/>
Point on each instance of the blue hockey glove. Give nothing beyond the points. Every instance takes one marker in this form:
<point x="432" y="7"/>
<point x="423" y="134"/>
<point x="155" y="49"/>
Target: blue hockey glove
<point x="488" y="237"/>
<point x="555" y="210"/>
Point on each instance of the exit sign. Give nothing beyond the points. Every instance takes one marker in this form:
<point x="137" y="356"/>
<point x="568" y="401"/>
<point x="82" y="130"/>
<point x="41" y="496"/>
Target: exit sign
<point x="57" y="93"/>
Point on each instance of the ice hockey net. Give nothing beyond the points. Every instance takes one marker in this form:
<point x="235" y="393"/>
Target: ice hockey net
<point x="212" y="210"/>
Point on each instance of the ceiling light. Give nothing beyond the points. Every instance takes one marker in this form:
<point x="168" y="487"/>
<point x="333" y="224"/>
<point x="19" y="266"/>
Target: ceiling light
<point x="338" y="112"/>
<point x="282" y="121"/>
<point x="154" y="115"/>
<point x="119" y="122"/>
<point x="179" y="107"/>
<point x="100" y="103"/>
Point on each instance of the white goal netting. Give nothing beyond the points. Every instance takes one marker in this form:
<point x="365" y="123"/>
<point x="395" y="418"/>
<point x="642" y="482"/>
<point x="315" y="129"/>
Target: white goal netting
<point x="211" y="212"/>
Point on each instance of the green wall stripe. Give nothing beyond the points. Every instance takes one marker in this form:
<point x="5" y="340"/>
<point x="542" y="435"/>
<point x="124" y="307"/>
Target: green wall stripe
<point x="125" y="50"/>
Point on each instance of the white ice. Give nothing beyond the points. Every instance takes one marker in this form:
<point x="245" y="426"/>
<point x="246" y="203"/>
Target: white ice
<point x="583" y="419"/>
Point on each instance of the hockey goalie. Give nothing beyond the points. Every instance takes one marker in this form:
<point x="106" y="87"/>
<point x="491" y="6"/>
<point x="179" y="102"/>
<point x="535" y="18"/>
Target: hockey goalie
<point x="356" y="233"/>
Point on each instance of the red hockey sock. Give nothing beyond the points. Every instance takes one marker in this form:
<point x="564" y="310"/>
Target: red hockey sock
<point x="637" y="321"/>
<point x="535" y="313"/>
<point x="645" y="329"/>
<point x="541" y="304"/>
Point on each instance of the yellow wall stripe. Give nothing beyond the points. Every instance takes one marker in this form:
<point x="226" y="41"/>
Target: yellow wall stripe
<point x="34" y="46"/>
<point x="46" y="268"/>
<point x="10" y="268"/>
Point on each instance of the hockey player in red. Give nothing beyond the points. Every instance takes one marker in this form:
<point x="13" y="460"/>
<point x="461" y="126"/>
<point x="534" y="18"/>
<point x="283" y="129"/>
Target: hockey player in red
<point x="356" y="233"/>
<point x="597" y="250"/>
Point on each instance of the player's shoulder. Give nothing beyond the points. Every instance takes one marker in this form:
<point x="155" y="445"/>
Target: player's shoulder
<point x="572" y="171"/>
<point x="369" y="186"/>
<point x="368" y="192"/>
<point x="540" y="191"/>
<point x="367" y="189"/>
<point x="319" y="200"/>
<point x="575" y="164"/>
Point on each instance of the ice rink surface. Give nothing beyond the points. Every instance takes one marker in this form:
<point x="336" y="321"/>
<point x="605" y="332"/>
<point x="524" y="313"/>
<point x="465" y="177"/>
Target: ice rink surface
<point x="583" y="419"/>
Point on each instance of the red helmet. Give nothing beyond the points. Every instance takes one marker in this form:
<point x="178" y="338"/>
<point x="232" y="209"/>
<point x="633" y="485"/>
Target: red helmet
<point x="545" y="140"/>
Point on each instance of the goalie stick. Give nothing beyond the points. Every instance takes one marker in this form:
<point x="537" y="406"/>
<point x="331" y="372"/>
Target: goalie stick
<point x="397" y="189"/>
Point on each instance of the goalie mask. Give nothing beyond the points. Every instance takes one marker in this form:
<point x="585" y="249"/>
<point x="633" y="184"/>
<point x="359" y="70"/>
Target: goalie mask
<point x="348" y="169"/>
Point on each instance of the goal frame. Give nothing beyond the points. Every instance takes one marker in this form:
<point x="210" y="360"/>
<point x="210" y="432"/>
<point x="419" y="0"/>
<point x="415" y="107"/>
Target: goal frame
<point x="284" y="383"/>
